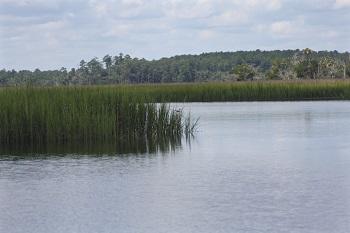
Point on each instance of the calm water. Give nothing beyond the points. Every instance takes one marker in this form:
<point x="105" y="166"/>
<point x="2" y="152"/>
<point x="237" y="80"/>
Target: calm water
<point x="253" y="167"/>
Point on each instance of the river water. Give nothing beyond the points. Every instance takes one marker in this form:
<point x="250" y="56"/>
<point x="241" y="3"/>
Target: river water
<point x="252" y="167"/>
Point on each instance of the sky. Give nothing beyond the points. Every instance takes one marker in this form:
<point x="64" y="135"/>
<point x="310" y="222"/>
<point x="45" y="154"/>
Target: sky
<point x="50" y="34"/>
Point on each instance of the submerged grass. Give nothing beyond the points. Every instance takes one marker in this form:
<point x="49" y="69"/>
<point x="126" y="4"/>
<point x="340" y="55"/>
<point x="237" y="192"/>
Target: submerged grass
<point x="129" y="116"/>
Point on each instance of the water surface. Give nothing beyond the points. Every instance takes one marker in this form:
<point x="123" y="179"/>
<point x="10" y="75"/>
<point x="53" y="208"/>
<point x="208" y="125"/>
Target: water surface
<point x="253" y="167"/>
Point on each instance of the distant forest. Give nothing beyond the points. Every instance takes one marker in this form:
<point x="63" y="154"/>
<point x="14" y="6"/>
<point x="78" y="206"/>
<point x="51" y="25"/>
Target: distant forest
<point x="218" y="66"/>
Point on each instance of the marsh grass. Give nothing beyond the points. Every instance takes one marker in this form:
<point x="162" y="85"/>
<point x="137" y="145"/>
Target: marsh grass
<point x="128" y="116"/>
<point x="247" y="91"/>
<point x="53" y="117"/>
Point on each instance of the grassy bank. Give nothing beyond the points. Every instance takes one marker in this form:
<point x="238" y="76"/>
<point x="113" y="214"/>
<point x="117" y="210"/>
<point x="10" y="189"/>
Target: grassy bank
<point x="245" y="91"/>
<point x="128" y="116"/>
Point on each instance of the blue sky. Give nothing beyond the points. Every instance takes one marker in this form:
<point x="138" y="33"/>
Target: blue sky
<point x="49" y="34"/>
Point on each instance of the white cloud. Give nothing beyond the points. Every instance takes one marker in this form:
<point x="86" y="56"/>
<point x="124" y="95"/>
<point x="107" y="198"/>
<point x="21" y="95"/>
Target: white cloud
<point x="20" y="2"/>
<point x="207" y="34"/>
<point x="283" y="27"/>
<point x="342" y="3"/>
<point x="156" y="28"/>
<point x="118" y="30"/>
<point x="188" y="9"/>
<point x="267" y="4"/>
<point x="229" y="18"/>
<point x="288" y="27"/>
<point x="34" y="3"/>
<point x="101" y="8"/>
<point x="274" y="4"/>
<point x="331" y="34"/>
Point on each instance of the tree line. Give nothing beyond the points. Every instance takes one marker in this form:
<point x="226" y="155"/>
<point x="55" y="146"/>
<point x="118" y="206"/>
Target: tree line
<point x="218" y="66"/>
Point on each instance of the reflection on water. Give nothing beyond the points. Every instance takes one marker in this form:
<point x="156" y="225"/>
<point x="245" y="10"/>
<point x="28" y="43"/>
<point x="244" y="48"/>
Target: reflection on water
<point x="143" y="145"/>
<point x="251" y="168"/>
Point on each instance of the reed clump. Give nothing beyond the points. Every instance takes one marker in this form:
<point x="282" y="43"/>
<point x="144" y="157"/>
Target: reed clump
<point x="49" y="117"/>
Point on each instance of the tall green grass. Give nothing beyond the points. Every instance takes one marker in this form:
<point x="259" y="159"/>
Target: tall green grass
<point x="50" y="117"/>
<point x="128" y="116"/>
<point x="246" y="91"/>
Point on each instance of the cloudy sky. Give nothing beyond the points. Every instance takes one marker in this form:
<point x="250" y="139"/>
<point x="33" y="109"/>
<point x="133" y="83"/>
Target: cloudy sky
<point x="53" y="33"/>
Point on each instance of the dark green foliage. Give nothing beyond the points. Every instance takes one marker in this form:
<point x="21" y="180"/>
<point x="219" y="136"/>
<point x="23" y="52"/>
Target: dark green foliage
<point x="244" y="72"/>
<point x="280" y="70"/>
<point x="302" y="64"/>
<point x="306" y="69"/>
